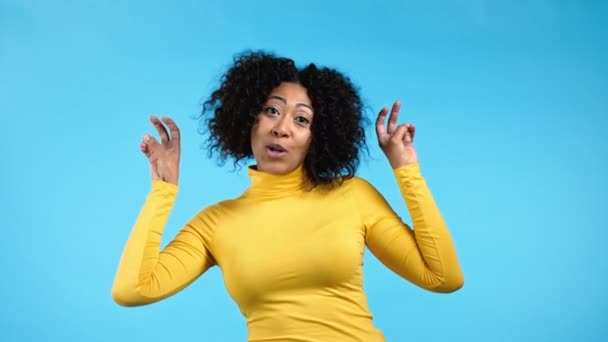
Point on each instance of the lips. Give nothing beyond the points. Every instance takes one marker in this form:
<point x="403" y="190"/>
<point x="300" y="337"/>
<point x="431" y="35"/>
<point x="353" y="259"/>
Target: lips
<point x="275" y="152"/>
<point x="276" y="148"/>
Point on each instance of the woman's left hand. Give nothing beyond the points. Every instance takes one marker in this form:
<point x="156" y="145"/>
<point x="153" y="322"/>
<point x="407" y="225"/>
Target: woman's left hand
<point x="397" y="142"/>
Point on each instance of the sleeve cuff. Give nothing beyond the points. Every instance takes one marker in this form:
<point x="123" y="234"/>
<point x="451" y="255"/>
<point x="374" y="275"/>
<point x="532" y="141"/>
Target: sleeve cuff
<point x="408" y="171"/>
<point x="164" y="188"/>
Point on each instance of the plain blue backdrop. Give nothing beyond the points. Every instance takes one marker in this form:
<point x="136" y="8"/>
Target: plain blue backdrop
<point x="509" y="98"/>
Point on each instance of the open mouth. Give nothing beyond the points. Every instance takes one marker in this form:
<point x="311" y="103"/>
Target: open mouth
<point x="275" y="150"/>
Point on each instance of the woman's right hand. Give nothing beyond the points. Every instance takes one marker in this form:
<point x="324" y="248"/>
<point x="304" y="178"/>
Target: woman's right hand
<point x="163" y="156"/>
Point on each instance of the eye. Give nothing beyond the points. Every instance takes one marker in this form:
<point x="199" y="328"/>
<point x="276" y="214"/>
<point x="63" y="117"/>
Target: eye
<point x="271" y="111"/>
<point x="302" y="120"/>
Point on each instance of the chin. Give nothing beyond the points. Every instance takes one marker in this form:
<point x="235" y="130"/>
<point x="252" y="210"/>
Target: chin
<point x="275" y="168"/>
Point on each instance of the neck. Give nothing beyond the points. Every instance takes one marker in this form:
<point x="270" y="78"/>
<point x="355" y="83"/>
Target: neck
<point x="264" y="184"/>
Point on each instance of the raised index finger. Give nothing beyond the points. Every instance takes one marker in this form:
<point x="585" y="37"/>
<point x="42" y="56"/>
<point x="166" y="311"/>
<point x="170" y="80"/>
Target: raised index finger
<point x="172" y="128"/>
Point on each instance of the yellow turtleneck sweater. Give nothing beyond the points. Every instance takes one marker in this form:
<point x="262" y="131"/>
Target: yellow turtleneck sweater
<point x="291" y="258"/>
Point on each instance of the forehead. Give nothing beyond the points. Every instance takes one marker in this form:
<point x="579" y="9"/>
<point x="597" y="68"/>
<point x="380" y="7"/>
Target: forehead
<point x="292" y="93"/>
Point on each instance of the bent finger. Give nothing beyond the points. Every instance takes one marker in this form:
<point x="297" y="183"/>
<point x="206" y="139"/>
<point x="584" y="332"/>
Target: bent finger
<point x="412" y="131"/>
<point x="407" y="136"/>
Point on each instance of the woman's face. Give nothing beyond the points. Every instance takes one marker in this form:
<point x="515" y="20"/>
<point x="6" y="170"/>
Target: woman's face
<point x="281" y="135"/>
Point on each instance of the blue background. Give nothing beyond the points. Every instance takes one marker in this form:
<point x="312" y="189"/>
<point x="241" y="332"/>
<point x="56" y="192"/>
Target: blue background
<point x="510" y="102"/>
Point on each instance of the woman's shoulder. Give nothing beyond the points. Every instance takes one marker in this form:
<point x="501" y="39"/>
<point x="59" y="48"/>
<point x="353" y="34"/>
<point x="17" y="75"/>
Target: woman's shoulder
<point x="352" y="185"/>
<point x="359" y="182"/>
<point x="211" y="216"/>
<point x="222" y="206"/>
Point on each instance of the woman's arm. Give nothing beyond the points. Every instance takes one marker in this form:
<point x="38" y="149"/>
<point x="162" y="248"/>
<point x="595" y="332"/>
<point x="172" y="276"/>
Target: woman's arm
<point x="426" y="255"/>
<point x="145" y="273"/>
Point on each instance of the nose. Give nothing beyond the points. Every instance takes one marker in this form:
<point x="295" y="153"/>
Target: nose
<point x="280" y="129"/>
<point x="278" y="132"/>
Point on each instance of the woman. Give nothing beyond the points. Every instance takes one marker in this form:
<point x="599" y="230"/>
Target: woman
<point x="291" y="246"/>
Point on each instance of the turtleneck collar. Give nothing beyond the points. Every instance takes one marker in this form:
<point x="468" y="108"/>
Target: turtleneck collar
<point x="268" y="185"/>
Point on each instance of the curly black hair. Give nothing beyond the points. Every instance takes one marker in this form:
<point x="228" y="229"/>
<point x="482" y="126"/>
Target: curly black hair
<point x="338" y="134"/>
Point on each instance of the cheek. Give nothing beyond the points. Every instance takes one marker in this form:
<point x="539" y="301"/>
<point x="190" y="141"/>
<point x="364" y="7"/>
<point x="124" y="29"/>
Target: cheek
<point x="306" y="140"/>
<point x="261" y="125"/>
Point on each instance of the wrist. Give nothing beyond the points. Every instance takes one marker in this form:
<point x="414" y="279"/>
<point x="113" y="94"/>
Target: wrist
<point x="171" y="179"/>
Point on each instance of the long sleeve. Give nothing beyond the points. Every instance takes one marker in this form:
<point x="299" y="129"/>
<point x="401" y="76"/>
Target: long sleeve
<point x="145" y="273"/>
<point x="426" y="255"/>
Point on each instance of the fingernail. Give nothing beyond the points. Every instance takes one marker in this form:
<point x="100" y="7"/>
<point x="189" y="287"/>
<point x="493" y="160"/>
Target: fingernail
<point x="146" y="137"/>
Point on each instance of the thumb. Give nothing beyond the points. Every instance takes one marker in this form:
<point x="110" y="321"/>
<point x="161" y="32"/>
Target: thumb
<point x="151" y="143"/>
<point x="400" y="133"/>
<point x="150" y="147"/>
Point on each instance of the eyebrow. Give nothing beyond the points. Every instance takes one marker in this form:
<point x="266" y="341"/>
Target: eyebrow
<point x="285" y="102"/>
